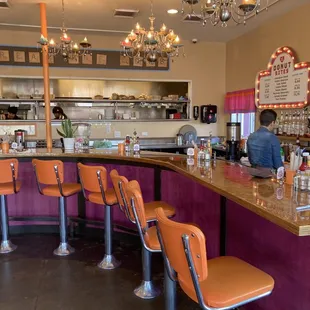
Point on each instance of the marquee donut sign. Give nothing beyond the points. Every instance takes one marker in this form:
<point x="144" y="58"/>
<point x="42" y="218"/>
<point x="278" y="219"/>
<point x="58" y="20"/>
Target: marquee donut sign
<point x="285" y="84"/>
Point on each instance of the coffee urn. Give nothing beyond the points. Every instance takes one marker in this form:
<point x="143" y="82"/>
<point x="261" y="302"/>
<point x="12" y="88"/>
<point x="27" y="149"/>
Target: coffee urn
<point x="233" y="141"/>
<point x="20" y="137"/>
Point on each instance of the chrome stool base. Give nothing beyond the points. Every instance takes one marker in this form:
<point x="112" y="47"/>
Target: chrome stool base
<point x="7" y="247"/>
<point x="64" y="249"/>
<point x="109" y="262"/>
<point x="147" y="290"/>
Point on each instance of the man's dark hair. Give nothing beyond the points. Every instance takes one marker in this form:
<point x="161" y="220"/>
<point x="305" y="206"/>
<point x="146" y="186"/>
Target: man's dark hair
<point x="267" y="117"/>
<point x="12" y="110"/>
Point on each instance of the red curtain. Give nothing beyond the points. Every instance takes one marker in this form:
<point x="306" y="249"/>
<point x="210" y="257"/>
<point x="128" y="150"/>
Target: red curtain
<point x="241" y="101"/>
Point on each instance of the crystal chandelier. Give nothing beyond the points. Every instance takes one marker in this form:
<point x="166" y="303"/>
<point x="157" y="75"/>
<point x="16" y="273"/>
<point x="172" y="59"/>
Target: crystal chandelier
<point x="66" y="47"/>
<point x="149" y="45"/>
<point x="222" y="11"/>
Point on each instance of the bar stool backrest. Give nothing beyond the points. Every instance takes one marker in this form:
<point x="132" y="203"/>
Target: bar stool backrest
<point x="118" y="181"/>
<point x="89" y="177"/>
<point x="172" y="235"/>
<point x="46" y="171"/>
<point x="133" y="190"/>
<point x="9" y="170"/>
<point x="136" y="207"/>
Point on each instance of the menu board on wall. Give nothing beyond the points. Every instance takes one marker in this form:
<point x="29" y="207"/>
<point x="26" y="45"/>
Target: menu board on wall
<point x="285" y="83"/>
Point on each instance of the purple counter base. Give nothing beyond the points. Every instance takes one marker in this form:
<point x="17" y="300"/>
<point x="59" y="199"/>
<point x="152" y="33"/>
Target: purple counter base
<point x="283" y="255"/>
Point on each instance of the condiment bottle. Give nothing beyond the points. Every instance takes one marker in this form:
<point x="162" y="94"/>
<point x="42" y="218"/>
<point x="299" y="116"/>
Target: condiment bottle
<point x="136" y="144"/>
<point x="307" y="169"/>
<point x="303" y="166"/>
<point x="297" y="180"/>
<point x="303" y="182"/>
<point x="282" y="155"/>
<point x="127" y="144"/>
<point x="201" y="154"/>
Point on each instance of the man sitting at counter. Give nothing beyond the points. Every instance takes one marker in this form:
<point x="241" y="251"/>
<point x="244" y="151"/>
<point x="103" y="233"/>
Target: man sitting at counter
<point x="12" y="113"/>
<point x="264" y="148"/>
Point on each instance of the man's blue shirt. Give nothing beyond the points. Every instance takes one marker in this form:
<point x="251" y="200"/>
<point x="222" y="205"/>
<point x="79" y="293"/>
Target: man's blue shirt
<point x="264" y="149"/>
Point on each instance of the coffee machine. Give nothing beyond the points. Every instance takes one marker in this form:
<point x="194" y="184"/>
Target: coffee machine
<point x="233" y="141"/>
<point x="20" y="137"/>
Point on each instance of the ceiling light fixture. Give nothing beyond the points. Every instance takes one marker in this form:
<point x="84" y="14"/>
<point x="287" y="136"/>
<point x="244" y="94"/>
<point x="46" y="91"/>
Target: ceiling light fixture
<point x="149" y="45"/>
<point x="67" y="48"/>
<point x="222" y="11"/>
<point x="173" y="11"/>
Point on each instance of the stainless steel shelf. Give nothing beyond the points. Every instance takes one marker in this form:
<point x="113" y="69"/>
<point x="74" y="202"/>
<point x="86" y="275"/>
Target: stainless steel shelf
<point x="76" y="100"/>
<point x="96" y="121"/>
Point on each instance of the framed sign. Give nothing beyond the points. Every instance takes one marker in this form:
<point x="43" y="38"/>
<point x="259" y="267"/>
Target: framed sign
<point x="98" y="59"/>
<point x="285" y="83"/>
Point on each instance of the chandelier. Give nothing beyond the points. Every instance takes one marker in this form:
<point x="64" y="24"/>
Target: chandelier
<point x="150" y="45"/>
<point x="66" y="47"/>
<point x="222" y="11"/>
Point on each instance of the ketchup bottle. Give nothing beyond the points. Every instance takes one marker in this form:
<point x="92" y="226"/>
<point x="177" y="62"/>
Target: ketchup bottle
<point x="304" y="164"/>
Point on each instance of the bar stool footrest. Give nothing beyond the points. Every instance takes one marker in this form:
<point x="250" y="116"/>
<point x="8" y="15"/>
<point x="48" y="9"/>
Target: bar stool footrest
<point x="147" y="290"/>
<point x="64" y="249"/>
<point x="7" y="247"/>
<point x="109" y="262"/>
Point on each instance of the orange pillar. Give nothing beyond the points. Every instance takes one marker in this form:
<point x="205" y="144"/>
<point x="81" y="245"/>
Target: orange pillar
<point x="46" y="79"/>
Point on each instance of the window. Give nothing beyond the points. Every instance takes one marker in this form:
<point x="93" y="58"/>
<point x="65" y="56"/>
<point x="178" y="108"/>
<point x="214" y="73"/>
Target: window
<point x="247" y="121"/>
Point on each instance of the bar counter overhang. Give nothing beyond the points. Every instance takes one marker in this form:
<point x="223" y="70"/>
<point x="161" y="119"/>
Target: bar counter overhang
<point x="239" y="215"/>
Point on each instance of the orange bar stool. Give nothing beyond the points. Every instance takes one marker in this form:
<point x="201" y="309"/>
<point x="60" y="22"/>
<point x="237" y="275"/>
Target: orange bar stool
<point x="50" y="173"/>
<point x="8" y="186"/>
<point x="149" y="240"/>
<point x="219" y="283"/>
<point x="119" y="183"/>
<point x="94" y="180"/>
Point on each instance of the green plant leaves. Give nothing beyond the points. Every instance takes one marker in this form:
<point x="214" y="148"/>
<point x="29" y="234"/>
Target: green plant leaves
<point x="67" y="129"/>
<point x="60" y="133"/>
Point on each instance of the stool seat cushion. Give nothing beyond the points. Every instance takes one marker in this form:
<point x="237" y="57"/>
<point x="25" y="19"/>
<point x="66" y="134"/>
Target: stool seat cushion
<point x="8" y="189"/>
<point x="230" y="281"/>
<point x="68" y="189"/>
<point x="110" y="197"/>
<point x="151" y="239"/>
<point x="150" y="207"/>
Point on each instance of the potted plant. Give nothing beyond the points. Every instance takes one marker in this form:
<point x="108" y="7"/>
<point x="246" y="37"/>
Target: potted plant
<point x="67" y="134"/>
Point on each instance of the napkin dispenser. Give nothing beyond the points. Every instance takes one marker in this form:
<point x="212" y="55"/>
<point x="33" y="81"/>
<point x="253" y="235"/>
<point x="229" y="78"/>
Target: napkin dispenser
<point x="208" y="114"/>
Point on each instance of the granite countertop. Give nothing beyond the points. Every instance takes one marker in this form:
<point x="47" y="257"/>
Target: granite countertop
<point x="262" y="196"/>
<point x="164" y="146"/>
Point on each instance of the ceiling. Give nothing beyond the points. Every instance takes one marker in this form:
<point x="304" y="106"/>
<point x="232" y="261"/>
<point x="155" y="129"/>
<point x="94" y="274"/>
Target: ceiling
<point x="98" y="14"/>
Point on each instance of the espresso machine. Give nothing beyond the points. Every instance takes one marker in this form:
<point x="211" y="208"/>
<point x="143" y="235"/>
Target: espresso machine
<point x="233" y="141"/>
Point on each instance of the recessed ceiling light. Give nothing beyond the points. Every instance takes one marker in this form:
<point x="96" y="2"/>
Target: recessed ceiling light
<point x="173" y="11"/>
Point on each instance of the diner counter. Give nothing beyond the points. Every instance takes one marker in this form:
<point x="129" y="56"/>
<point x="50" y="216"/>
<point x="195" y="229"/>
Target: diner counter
<point x="263" y="197"/>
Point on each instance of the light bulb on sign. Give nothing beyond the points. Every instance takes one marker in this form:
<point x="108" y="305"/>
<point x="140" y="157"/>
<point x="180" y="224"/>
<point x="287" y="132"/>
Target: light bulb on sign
<point x="252" y="2"/>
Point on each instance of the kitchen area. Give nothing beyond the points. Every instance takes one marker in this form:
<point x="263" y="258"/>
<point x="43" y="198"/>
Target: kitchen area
<point x="104" y="112"/>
